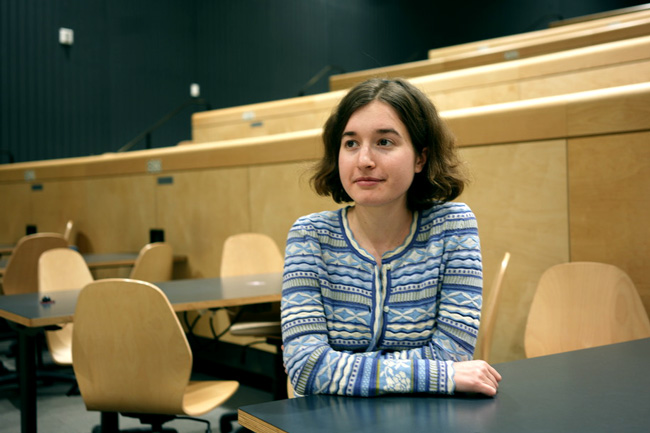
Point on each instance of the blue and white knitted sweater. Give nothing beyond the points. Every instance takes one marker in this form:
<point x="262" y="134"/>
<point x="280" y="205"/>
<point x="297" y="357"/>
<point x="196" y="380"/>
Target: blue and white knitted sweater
<point x="351" y="327"/>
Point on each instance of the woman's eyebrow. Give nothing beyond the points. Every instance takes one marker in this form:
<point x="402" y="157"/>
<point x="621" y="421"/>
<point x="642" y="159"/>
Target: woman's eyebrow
<point x="378" y="131"/>
<point x="388" y="131"/>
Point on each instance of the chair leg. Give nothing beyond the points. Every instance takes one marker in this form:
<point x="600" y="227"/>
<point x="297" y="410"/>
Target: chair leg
<point x="225" y="422"/>
<point x="109" y="423"/>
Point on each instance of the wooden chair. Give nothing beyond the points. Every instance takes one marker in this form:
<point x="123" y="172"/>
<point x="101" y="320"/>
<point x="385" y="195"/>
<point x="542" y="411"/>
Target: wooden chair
<point x="155" y="262"/>
<point x="21" y="276"/>
<point x="21" y="273"/>
<point x="245" y="254"/>
<point x="583" y="304"/>
<point x="489" y="313"/>
<point x="131" y="356"/>
<point x="70" y="233"/>
<point x="62" y="269"/>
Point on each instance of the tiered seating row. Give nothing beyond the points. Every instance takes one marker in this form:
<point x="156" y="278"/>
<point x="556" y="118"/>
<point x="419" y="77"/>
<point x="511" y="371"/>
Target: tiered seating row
<point x="515" y="50"/>
<point x="605" y="65"/>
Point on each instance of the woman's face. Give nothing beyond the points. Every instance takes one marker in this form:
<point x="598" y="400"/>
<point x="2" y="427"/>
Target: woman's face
<point x="377" y="161"/>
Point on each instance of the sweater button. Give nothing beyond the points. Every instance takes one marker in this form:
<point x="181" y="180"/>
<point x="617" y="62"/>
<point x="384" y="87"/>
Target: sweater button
<point x="386" y="309"/>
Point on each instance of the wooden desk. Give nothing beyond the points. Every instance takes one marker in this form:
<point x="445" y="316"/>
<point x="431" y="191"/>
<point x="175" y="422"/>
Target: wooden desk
<point x="29" y="316"/>
<point x="104" y="260"/>
<point x="6" y="249"/>
<point x="604" y="389"/>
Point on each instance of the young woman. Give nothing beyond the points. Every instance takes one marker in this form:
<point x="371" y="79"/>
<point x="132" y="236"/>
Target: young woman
<point x="384" y="296"/>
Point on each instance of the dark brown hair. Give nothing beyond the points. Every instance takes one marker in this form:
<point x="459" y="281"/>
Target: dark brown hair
<point x="441" y="179"/>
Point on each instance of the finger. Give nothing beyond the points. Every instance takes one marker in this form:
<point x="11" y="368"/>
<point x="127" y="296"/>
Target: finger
<point x="488" y="389"/>
<point x="495" y="373"/>
<point x="493" y="377"/>
<point x="491" y="381"/>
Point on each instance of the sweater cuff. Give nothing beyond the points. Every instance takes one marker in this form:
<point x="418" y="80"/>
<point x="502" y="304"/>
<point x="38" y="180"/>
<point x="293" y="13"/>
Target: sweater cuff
<point x="451" y="372"/>
<point x="436" y="378"/>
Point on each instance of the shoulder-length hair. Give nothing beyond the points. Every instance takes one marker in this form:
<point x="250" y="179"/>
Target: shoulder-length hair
<point x="442" y="178"/>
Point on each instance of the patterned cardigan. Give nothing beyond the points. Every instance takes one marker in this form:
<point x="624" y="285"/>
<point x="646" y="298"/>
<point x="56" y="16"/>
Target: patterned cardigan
<point x="351" y="327"/>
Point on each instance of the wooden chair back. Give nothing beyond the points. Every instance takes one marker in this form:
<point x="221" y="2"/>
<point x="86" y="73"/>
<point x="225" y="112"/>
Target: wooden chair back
<point x="70" y="233"/>
<point x="579" y="305"/>
<point x="62" y="269"/>
<point x="250" y="253"/>
<point x="129" y="349"/>
<point x="155" y="262"/>
<point x="21" y="273"/>
<point x="489" y="312"/>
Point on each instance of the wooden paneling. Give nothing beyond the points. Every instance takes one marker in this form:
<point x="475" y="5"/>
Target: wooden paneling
<point x="588" y="79"/>
<point x="609" y="111"/>
<point x="57" y="202"/>
<point x="280" y="194"/>
<point x="199" y="210"/>
<point x="519" y="196"/>
<point x="264" y="118"/>
<point x="294" y="146"/>
<point x="16" y="211"/>
<point x="609" y="192"/>
<point x="119" y="211"/>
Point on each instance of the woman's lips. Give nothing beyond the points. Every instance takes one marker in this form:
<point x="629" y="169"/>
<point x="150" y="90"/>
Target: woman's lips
<point x="367" y="181"/>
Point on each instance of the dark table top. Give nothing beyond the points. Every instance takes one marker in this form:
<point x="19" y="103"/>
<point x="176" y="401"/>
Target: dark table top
<point x="604" y="389"/>
<point x="6" y="248"/>
<point x="191" y="294"/>
<point x="104" y="260"/>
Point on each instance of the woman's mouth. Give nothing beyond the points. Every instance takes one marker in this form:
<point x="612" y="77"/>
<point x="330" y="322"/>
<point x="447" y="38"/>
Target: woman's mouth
<point x="367" y="181"/>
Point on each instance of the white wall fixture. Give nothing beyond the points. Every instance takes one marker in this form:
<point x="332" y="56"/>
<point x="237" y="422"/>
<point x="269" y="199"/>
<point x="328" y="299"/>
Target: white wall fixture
<point x="66" y="36"/>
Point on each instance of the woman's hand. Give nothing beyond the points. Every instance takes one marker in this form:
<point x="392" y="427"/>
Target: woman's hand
<point x="476" y="376"/>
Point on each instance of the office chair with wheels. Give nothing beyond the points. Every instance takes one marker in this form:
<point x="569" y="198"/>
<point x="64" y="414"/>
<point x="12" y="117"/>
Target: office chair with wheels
<point x="155" y="263"/>
<point x="131" y="357"/>
<point x="579" y="305"/>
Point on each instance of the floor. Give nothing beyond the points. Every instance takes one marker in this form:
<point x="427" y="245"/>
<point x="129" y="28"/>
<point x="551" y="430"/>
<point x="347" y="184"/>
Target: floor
<point x="58" y="413"/>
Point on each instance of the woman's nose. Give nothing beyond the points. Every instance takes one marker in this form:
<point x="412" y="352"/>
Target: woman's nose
<point x="366" y="158"/>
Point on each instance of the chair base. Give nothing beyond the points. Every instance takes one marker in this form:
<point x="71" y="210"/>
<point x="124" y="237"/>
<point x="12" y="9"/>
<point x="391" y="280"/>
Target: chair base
<point x="99" y="429"/>
<point x="225" y="424"/>
<point x="110" y="423"/>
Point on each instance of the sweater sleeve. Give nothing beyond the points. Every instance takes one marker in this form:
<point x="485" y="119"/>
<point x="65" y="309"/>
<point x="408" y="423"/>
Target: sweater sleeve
<point x="316" y="368"/>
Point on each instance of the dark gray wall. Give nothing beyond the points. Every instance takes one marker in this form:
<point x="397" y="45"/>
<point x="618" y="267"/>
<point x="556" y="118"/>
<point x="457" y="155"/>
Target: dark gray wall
<point x="133" y="60"/>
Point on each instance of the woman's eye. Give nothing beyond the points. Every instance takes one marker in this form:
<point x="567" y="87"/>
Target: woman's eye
<point x="384" y="142"/>
<point x="349" y="143"/>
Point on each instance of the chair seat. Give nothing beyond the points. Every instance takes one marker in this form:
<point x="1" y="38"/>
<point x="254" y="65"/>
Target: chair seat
<point x="257" y="329"/>
<point x="203" y="396"/>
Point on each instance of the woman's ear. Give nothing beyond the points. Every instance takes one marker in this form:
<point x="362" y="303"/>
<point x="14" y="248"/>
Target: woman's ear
<point x="421" y="160"/>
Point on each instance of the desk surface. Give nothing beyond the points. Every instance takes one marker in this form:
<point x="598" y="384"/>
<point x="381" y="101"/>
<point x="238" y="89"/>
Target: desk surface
<point x="104" y="260"/>
<point x="6" y="248"/>
<point x="192" y="294"/>
<point x="604" y="389"/>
